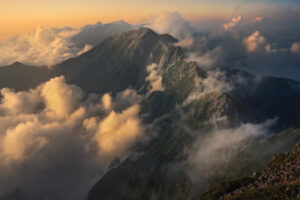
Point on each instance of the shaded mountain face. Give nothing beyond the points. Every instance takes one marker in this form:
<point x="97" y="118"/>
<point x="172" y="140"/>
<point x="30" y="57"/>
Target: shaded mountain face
<point x="119" y="61"/>
<point x="186" y="108"/>
<point x="22" y="77"/>
<point x="271" y="97"/>
<point x="157" y="174"/>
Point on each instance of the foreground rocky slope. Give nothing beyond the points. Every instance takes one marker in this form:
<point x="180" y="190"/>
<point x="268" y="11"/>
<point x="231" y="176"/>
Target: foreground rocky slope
<point x="280" y="179"/>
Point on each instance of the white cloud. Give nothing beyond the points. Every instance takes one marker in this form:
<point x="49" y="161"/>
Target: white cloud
<point x="59" y="138"/>
<point x="186" y="42"/>
<point x="107" y="101"/>
<point x="127" y="98"/>
<point x="234" y="22"/>
<point x="118" y="131"/>
<point x="44" y="46"/>
<point x="258" y="19"/>
<point x="171" y="23"/>
<point x="270" y="49"/>
<point x="295" y="48"/>
<point x="19" y="102"/>
<point x="154" y="77"/>
<point x="207" y="60"/>
<point x="216" y="81"/>
<point x="255" y="41"/>
<point x="209" y="156"/>
<point x="49" y="46"/>
<point x="60" y="98"/>
<point x="86" y="48"/>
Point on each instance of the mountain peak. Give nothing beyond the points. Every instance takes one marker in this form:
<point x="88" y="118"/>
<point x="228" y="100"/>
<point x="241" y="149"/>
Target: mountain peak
<point x="17" y="63"/>
<point x="147" y="34"/>
<point x="146" y="30"/>
<point x="139" y="33"/>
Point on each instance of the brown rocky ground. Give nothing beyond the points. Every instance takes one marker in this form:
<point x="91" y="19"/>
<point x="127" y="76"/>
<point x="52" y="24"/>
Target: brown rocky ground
<point x="280" y="179"/>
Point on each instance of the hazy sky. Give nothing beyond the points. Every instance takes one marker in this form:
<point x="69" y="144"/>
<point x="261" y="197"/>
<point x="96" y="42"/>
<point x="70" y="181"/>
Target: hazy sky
<point x="18" y="16"/>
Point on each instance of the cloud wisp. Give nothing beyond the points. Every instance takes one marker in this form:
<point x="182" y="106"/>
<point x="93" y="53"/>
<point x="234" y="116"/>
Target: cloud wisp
<point x="42" y="47"/>
<point x="234" y="22"/>
<point x="210" y="156"/>
<point x="154" y="77"/>
<point x="49" y="46"/>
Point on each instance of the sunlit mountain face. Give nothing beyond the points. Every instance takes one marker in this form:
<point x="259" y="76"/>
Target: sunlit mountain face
<point x="108" y="100"/>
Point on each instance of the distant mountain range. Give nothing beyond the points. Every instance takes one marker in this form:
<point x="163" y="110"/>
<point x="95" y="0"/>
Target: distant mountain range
<point x="121" y="61"/>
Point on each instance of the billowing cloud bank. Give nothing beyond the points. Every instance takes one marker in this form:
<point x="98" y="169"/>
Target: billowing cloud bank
<point x="51" y="135"/>
<point x="255" y="45"/>
<point x="171" y="23"/>
<point x="49" y="46"/>
<point x="44" y="46"/>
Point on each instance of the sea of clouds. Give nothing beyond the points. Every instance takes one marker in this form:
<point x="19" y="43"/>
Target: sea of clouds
<point x="56" y="141"/>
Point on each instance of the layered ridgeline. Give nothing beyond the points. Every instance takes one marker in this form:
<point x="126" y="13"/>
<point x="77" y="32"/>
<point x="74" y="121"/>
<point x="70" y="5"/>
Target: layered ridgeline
<point x="201" y="125"/>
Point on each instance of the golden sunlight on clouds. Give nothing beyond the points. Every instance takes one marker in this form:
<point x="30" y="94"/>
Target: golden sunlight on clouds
<point x="22" y="16"/>
<point x="19" y="16"/>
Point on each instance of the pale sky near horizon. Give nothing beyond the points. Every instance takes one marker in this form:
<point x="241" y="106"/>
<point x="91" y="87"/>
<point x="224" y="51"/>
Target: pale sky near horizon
<point x="19" y="16"/>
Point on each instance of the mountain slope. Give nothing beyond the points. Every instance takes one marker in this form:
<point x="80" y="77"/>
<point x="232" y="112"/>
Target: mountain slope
<point x="22" y="77"/>
<point x="118" y="62"/>
<point x="271" y="97"/>
<point x="152" y="174"/>
<point x="280" y="179"/>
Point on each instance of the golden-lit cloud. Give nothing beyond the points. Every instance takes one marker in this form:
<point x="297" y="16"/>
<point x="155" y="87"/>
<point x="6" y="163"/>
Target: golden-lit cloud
<point x="42" y="47"/>
<point x="107" y="101"/>
<point x="254" y="41"/>
<point x="53" y="129"/>
<point x="258" y="19"/>
<point x="118" y="131"/>
<point x="295" y="48"/>
<point x="234" y="22"/>
<point x="60" y="99"/>
<point x="171" y="23"/>
<point x="19" y="102"/>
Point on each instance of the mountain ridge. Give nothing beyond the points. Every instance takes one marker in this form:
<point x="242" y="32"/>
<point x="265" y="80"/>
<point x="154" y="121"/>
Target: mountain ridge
<point x="120" y="62"/>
